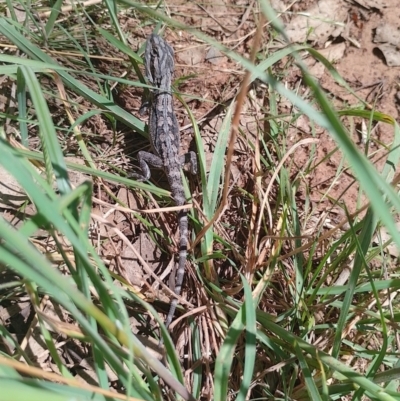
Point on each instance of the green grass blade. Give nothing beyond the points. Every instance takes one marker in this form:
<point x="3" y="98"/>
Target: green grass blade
<point x="27" y="389"/>
<point x="215" y="177"/>
<point x="306" y="373"/>
<point x="244" y="318"/>
<point x="22" y="111"/>
<point x="54" y="159"/>
<point x="34" y="52"/>
<point x="224" y="359"/>
<point x="365" y="241"/>
<point x="250" y="342"/>
<point x="120" y="45"/>
<point x="55" y="12"/>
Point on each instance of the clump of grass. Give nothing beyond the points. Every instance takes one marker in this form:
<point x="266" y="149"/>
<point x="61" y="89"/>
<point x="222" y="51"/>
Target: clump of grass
<point x="269" y="324"/>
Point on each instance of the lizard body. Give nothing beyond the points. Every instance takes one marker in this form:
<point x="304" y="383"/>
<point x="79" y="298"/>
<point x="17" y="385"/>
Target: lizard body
<point x="165" y="141"/>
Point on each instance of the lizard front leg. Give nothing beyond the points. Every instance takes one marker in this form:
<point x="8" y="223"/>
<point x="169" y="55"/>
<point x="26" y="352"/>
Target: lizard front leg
<point x="145" y="159"/>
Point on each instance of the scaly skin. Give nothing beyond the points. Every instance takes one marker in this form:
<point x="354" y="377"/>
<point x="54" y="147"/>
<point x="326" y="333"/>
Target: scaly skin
<point x="164" y="138"/>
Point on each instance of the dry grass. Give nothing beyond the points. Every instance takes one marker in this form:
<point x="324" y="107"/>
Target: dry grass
<point x="288" y="294"/>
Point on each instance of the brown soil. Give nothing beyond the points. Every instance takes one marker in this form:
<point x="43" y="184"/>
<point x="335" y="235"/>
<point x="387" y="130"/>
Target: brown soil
<point x="214" y="79"/>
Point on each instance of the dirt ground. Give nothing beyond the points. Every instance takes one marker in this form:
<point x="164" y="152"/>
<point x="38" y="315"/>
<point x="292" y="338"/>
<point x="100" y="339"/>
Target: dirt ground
<point x="344" y="31"/>
<point x="347" y="33"/>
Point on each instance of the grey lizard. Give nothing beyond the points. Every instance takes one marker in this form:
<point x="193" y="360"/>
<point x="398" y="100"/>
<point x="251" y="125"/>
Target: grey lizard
<point x="165" y="140"/>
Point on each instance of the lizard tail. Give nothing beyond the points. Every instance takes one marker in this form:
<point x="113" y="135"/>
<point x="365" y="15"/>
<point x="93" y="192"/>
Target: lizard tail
<point x="183" y="245"/>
